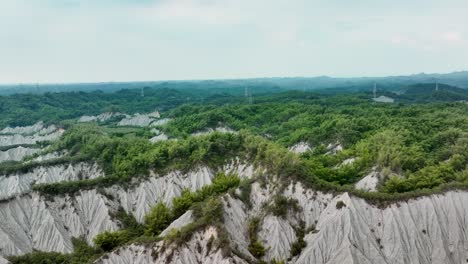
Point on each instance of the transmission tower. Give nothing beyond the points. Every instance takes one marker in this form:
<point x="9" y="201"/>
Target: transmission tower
<point x="142" y="93"/>
<point x="375" y="90"/>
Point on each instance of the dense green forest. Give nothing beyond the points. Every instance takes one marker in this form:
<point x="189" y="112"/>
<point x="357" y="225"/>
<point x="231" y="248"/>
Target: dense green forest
<point x="424" y="144"/>
<point x="415" y="146"/>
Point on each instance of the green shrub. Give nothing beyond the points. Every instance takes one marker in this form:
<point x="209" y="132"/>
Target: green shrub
<point x="281" y="205"/>
<point x="257" y="249"/>
<point x="299" y="244"/>
<point x="109" y="240"/>
<point x="39" y="257"/>
<point x="158" y="219"/>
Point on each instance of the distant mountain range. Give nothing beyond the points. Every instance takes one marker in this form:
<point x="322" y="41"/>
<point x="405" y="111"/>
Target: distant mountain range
<point x="390" y="83"/>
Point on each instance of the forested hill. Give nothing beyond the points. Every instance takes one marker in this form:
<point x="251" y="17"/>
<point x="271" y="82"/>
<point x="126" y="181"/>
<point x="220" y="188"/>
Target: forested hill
<point x="430" y="92"/>
<point x="236" y="86"/>
<point x="26" y="109"/>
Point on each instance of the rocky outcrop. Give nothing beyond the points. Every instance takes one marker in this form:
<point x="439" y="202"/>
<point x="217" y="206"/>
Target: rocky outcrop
<point x="369" y="182"/>
<point x="211" y="130"/>
<point x="180" y="222"/>
<point x="38" y="128"/>
<point x="49" y="156"/>
<point x="141" y="120"/>
<point x="138" y="200"/>
<point x="160" y="137"/>
<point x="347" y="229"/>
<point x="19" y="183"/>
<point x="33" y="222"/>
<point x="333" y="149"/>
<point x="198" y="250"/>
<point x="3" y="261"/>
<point x="17" y="154"/>
<point x="46" y="134"/>
<point x="339" y="228"/>
<point x="100" y="118"/>
<point x="300" y="147"/>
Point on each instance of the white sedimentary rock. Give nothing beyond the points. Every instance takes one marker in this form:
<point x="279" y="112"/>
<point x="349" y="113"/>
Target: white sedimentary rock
<point x="277" y="235"/>
<point x="180" y="222"/>
<point x="239" y="168"/>
<point x="140" y="119"/>
<point x="160" y="122"/>
<point x="369" y="182"/>
<point x="348" y="161"/>
<point x="100" y="118"/>
<point x="33" y="222"/>
<point x="3" y="261"/>
<point x="28" y="130"/>
<point x="17" y="154"/>
<point x="48" y="156"/>
<point x="198" y="250"/>
<point x="236" y="219"/>
<point x="139" y="200"/>
<point x="334" y="148"/>
<point x="160" y="137"/>
<point x="340" y="228"/>
<point x="211" y="130"/>
<point x="300" y="147"/>
<point x="19" y="183"/>
<point x="20" y="139"/>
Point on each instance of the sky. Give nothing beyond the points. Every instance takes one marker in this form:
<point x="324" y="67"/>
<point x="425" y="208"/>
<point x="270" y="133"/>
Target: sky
<point x="57" y="41"/>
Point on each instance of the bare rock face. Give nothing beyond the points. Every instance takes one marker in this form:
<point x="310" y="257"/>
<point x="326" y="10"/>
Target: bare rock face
<point x="198" y="250"/>
<point x="333" y="149"/>
<point x="100" y="118"/>
<point x="3" y="261"/>
<point x="160" y="137"/>
<point x="19" y="183"/>
<point x="49" y="156"/>
<point x="369" y="182"/>
<point x="17" y="154"/>
<point x="33" y="222"/>
<point x="211" y="130"/>
<point x="29" y="135"/>
<point x="277" y="235"/>
<point x="339" y="228"/>
<point x="141" y="120"/>
<point x="300" y="147"/>
<point x="180" y="222"/>
<point x="139" y="200"/>
<point x="37" y="128"/>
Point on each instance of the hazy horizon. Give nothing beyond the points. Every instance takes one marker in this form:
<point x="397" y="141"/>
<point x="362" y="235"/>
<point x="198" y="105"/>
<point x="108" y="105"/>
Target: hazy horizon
<point x="235" y="79"/>
<point x="84" y="41"/>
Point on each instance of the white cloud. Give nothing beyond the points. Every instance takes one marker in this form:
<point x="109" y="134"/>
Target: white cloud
<point x="452" y="37"/>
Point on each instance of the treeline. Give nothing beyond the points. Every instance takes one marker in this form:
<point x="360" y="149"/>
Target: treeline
<point x="425" y="144"/>
<point x="27" y="109"/>
<point x="126" y="158"/>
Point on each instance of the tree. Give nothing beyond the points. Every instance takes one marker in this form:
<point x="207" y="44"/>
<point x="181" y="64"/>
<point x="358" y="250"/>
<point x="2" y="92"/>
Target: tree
<point x="158" y="219"/>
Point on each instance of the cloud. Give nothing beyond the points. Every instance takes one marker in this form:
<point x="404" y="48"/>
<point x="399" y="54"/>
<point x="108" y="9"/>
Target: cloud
<point x="189" y="11"/>
<point x="452" y="37"/>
